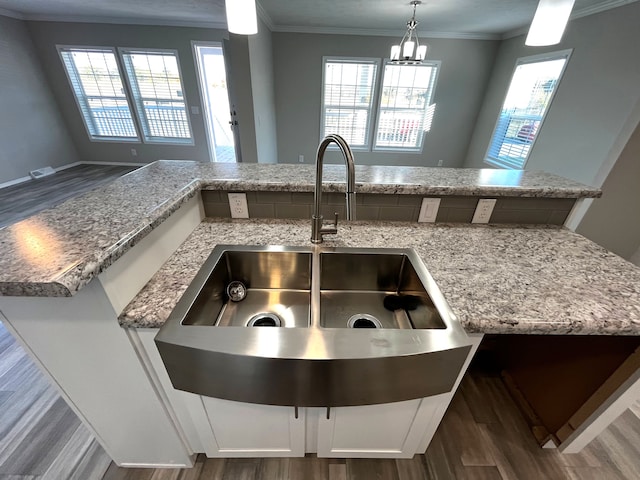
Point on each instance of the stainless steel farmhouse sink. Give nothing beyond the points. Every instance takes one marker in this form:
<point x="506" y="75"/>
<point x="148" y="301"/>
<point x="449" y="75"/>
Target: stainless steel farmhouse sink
<point x="253" y="288"/>
<point x="375" y="289"/>
<point x="348" y="327"/>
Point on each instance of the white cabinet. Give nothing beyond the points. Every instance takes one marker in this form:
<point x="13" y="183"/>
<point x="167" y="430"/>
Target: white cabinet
<point x="223" y="428"/>
<point x="391" y="430"/>
<point x="246" y="429"/>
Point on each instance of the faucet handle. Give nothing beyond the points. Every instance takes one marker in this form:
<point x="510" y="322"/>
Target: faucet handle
<point x="335" y="220"/>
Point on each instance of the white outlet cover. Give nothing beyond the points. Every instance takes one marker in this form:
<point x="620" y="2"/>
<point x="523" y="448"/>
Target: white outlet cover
<point x="484" y="209"/>
<point x="429" y="210"/>
<point x="238" y="205"/>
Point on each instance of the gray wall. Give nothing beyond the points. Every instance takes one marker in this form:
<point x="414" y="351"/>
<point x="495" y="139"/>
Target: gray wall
<point x="613" y="221"/>
<point x="263" y="91"/>
<point x="32" y="132"/>
<point x="46" y="35"/>
<point x="466" y="67"/>
<point x="593" y="103"/>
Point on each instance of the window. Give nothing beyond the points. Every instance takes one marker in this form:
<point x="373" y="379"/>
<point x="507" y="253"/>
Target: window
<point x="96" y="83"/>
<point x="154" y="77"/>
<point x="532" y="87"/>
<point x="353" y="97"/>
<point x="406" y="111"/>
<point x="347" y="99"/>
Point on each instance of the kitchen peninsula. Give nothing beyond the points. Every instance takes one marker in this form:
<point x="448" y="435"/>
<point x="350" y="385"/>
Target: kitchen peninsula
<point x="70" y="274"/>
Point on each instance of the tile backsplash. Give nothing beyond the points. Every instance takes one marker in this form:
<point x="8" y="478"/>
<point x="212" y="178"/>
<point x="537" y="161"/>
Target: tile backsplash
<point x="405" y="208"/>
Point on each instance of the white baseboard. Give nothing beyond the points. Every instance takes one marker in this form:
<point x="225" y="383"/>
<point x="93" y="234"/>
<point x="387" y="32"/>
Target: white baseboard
<point x="69" y="165"/>
<point x="15" y="182"/>
<point x="125" y="164"/>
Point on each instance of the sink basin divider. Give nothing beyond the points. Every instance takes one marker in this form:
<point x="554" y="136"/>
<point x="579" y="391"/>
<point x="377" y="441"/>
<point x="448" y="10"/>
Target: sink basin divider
<point x="315" y="288"/>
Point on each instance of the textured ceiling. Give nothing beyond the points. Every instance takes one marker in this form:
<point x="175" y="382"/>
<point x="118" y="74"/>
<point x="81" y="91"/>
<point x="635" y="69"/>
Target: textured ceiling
<point x="464" y="17"/>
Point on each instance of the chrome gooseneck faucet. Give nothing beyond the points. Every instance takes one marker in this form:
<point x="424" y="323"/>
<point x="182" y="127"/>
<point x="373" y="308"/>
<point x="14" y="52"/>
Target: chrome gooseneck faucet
<point x="317" y="229"/>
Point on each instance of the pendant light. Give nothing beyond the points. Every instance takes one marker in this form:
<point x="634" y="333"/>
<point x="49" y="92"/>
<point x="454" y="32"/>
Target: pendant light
<point x="549" y="22"/>
<point x="409" y="51"/>
<point x="241" y="16"/>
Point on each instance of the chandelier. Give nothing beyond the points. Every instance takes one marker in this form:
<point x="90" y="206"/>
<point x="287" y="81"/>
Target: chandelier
<point x="409" y="51"/>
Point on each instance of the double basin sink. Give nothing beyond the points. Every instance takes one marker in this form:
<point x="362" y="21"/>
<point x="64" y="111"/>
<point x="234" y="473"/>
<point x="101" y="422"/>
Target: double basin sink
<point x="313" y="326"/>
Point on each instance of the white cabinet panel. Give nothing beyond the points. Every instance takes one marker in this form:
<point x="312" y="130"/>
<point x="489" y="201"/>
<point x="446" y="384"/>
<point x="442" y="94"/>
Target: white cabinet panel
<point x="246" y="429"/>
<point x="391" y="430"/>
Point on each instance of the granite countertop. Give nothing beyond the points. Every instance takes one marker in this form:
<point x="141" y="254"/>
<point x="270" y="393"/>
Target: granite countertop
<point x="58" y="251"/>
<point x="518" y="280"/>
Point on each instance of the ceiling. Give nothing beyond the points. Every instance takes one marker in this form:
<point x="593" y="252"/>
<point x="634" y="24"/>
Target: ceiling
<point x="445" y="18"/>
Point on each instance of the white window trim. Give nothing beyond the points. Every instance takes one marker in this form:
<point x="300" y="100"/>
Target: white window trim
<point x="437" y="64"/>
<point x="92" y="138"/>
<point x="139" y="114"/>
<point x="524" y="61"/>
<point x="376" y="81"/>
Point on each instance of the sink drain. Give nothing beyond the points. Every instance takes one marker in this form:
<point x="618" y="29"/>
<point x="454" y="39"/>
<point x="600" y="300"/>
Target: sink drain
<point x="363" y="320"/>
<point x="264" y="320"/>
<point x="237" y="291"/>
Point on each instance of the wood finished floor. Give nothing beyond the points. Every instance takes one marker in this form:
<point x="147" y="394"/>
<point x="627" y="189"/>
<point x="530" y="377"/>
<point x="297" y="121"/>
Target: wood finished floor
<point x="482" y="437"/>
<point x="40" y="436"/>
<point x="20" y="201"/>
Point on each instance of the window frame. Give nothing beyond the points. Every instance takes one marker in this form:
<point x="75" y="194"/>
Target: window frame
<point x="140" y="114"/>
<point x="109" y="139"/>
<point x="432" y="88"/>
<point x="372" y="105"/>
<point x="557" y="55"/>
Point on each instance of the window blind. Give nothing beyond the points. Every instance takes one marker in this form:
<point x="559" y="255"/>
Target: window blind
<point x="348" y="99"/>
<point x="406" y="110"/>
<point x="157" y="91"/>
<point x="528" y="98"/>
<point x="96" y="83"/>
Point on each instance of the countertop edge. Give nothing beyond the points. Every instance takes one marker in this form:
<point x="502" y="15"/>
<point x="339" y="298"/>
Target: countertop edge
<point x="72" y="279"/>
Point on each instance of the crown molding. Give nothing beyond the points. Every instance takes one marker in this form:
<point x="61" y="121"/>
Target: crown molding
<point x="11" y="14"/>
<point x="514" y="33"/>
<point x="125" y="21"/>
<point x="264" y="16"/>
<point x="583" y="12"/>
<point x="602" y="7"/>
<point x="367" y="32"/>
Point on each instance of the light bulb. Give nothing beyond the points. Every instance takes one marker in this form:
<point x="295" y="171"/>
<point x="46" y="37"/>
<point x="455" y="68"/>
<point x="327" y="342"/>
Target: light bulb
<point x="395" y="52"/>
<point x="549" y="22"/>
<point x="407" y="50"/>
<point x="422" y="52"/>
<point x="241" y="16"/>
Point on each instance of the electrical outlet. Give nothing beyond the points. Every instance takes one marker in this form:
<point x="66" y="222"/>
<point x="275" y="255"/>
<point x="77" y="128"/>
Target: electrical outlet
<point x="429" y="210"/>
<point x="440" y="162"/>
<point x="134" y="152"/>
<point x="484" y="209"/>
<point x="301" y="158"/>
<point x="238" y="205"/>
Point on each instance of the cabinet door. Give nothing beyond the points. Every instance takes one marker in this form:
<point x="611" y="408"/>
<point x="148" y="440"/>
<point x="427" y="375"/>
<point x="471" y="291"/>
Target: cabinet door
<point x="391" y="430"/>
<point x="250" y="430"/>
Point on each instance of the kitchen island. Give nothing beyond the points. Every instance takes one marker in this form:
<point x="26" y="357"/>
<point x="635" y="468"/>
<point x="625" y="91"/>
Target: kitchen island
<point x="70" y="273"/>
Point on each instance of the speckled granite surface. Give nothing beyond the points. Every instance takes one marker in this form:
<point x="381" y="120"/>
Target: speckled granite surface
<point x="496" y="279"/>
<point x="58" y="251"/>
